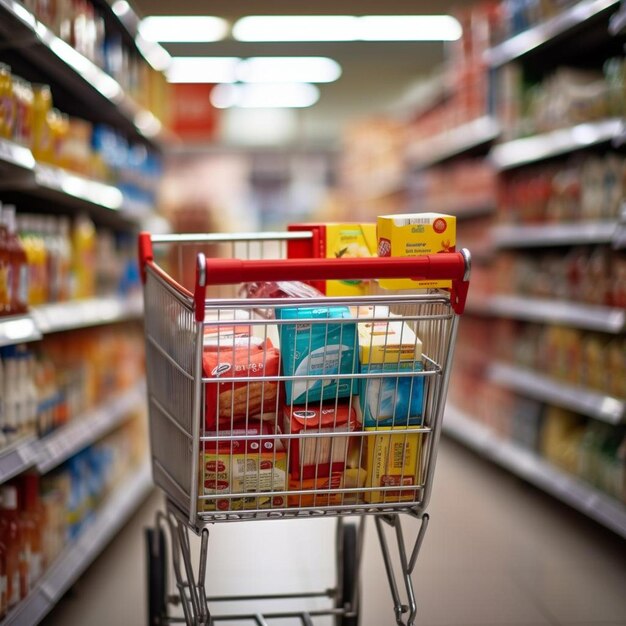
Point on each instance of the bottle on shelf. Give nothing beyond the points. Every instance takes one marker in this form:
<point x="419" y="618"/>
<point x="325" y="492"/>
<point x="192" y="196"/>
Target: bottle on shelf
<point x="18" y="264"/>
<point x="10" y="532"/>
<point x="84" y="249"/>
<point x="32" y="519"/>
<point x="5" y="269"/>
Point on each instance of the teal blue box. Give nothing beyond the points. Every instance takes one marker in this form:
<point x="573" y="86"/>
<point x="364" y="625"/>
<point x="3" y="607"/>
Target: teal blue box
<point x="317" y="348"/>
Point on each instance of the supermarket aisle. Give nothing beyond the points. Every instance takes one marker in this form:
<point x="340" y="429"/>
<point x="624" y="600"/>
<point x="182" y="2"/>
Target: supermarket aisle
<point x="497" y="552"/>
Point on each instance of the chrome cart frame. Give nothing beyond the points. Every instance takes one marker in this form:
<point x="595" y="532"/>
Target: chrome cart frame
<point x="185" y="443"/>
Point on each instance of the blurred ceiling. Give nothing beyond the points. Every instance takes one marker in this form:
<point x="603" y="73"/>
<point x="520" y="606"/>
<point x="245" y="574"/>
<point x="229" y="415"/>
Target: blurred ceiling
<point x="375" y="74"/>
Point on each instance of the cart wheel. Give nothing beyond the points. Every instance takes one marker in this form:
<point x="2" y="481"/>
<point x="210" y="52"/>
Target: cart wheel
<point x="157" y="575"/>
<point x="348" y="574"/>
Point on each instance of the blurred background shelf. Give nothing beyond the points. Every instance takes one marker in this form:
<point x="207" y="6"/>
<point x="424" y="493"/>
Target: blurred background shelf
<point x="540" y="387"/>
<point x="79" y="554"/>
<point x="542" y="235"/>
<point x="520" y="152"/>
<point x="536" y="470"/>
<point x="558" y="28"/>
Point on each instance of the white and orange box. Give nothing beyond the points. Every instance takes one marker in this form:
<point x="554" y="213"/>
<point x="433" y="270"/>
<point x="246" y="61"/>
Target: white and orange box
<point x="249" y="467"/>
<point x="393" y="460"/>
<point x="312" y="456"/>
<point x="416" y="234"/>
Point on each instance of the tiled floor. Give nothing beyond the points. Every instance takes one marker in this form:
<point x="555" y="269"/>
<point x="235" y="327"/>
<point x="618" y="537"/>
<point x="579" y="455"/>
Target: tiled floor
<point x="497" y="552"/>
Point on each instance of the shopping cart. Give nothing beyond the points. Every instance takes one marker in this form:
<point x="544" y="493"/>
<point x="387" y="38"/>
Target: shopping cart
<point x="259" y="409"/>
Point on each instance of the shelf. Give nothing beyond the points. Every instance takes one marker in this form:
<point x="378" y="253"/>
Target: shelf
<point x="82" y="431"/>
<point x="61" y="316"/>
<point x="536" y="470"/>
<point x="115" y="511"/>
<point x="520" y="152"/>
<point x="546" y="311"/>
<point x="457" y="141"/>
<point x="71" y="315"/>
<point x="15" y="157"/>
<point x="17" y="458"/>
<point x="18" y="329"/>
<point x="64" y="64"/>
<point x="538" y="36"/>
<point x="52" y="450"/>
<point x="542" y="235"/>
<point x="538" y="386"/>
<point x="64" y="187"/>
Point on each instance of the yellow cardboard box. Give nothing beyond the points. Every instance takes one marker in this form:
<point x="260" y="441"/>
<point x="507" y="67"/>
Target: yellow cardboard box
<point x="393" y="459"/>
<point x="415" y="235"/>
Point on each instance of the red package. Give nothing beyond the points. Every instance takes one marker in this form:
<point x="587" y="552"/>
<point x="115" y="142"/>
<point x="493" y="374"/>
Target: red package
<point x="318" y="456"/>
<point x="233" y="400"/>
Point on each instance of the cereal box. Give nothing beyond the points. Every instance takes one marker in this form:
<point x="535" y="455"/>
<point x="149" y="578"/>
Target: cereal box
<point x="325" y="490"/>
<point x="336" y="241"/>
<point x="393" y="459"/>
<point x="415" y="235"/>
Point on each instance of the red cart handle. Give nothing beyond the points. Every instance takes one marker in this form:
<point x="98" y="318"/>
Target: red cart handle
<point x="452" y="266"/>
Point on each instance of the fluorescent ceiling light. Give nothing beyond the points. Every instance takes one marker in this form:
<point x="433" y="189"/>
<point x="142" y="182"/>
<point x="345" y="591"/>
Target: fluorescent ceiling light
<point x="288" y="70"/>
<point x="183" y="28"/>
<point x="202" y="69"/>
<point x="253" y="96"/>
<point x="295" y="28"/>
<point x="120" y="8"/>
<point x="409" y="28"/>
<point x="347" y="28"/>
<point x="253" y="70"/>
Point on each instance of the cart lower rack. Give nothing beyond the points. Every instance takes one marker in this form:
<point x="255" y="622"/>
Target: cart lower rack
<point x="269" y="401"/>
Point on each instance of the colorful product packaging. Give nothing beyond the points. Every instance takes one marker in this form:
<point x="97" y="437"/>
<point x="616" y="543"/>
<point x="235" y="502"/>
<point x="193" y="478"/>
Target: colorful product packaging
<point x="325" y="490"/>
<point x="393" y="459"/>
<point x="243" y="466"/>
<point x="311" y="457"/>
<point x="415" y="235"/>
<point x="390" y="346"/>
<point x="336" y="241"/>
<point x="317" y="348"/>
<point x="239" y="356"/>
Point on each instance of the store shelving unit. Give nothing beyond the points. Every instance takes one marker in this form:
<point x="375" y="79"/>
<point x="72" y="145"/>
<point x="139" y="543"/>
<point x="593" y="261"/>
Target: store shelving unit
<point x="81" y="89"/>
<point x="535" y="385"/>
<point x="527" y="150"/>
<point x="542" y="235"/>
<point x="70" y="315"/>
<point x="48" y="452"/>
<point x="546" y="311"/>
<point x="64" y="188"/>
<point x="533" y="468"/>
<point x="565" y="24"/>
<point x="78" y="555"/>
<point x="536" y="52"/>
<point x="94" y="87"/>
<point x="455" y="142"/>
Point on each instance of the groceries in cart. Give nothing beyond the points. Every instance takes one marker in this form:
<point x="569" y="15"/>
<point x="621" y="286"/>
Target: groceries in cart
<point x="318" y="353"/>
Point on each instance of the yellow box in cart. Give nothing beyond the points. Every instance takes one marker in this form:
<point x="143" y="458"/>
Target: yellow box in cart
<point x="415" y="234"/>
<point x="393" y="459"/>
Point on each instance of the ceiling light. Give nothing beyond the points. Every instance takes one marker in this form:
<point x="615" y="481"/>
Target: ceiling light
<point x="251" y="96"/>
<point x="202" y="69"/>
<point x="288" y="69"/>
<point x="347" y="28"/>
<point x="409" y="28"/>
<point x="183" y="28"/>
<point x="120" y="8"/>
<point x="295" y="28"/>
